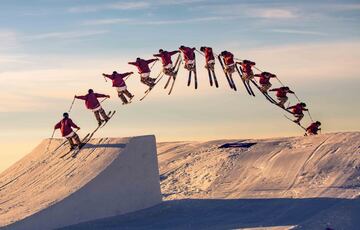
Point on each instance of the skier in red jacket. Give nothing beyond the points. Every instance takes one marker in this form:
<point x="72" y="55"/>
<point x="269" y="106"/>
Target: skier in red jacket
<point x="144" y="70"/>
<point x="92" y="103"/>
<point x="228" y="62"/>
<point x="209" y="57"/>
<point x="264" y="80"/>
<point x="246" y="68"/>
<point x="313" y="128"/>
<point x="119" y="83"/>
<point x="65" y="126"/>
<point x="297" y="111"/>
<point x="167" y="63"/>
<point x="281" y="95"/>
<point x="189" y="57"/>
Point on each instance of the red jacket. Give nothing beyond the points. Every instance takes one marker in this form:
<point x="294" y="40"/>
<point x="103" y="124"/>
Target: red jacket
<point x="297" y="109"/>
<point x="281" y="92"/>
<point x="118" y="79"/>
<point x="65" y="126"/>
<point x="313" y="128"/>
<point x="91" y="99"/>
<point x="189" y="53"/>
<point x="265" y="77"/>
<point x="143" y="65"/>
<point x="246" y="67"/>
<point x="228" y="58"/>
<point x="166" y="57"/>
<point x="209" y="55"/>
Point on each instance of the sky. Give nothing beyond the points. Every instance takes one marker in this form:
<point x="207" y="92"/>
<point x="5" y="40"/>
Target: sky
<point x="51" y="50"/>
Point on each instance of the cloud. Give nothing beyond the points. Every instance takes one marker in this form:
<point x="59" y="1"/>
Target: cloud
<point x="66" y="35"/>
<point x="112" y="6"/>
<point x="343" y="7"/>
<point x="154" y="22"/>
<point x="304" y="32"/>
<point x="8" y="39"/>
<point x="273" y="13"/>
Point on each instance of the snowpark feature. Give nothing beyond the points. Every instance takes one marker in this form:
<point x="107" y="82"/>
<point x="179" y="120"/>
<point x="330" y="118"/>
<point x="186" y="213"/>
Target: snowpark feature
<point x="280" y="183"/>
<point x="110" y="176"/>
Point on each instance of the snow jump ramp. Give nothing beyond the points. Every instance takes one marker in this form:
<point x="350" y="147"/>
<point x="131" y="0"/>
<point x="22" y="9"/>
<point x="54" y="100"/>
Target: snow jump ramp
<point x="110" y="176"/>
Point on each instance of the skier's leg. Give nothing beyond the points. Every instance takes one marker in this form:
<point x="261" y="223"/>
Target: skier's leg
<point x="128" y="94"/>
<point x="72" y="145"/>
<point x="98" y="118"/>
<point x="282" y="101"/>
<point x="265" y="88"/>
<point x="103" y="114"/>
<point x="123" y="98"/>
<point x="299" y="117"/>
<point x="76" y="138"/>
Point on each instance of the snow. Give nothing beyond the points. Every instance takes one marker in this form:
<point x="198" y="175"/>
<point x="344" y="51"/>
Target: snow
<point x="279" y="183"/>
<point x="111" y="176"/>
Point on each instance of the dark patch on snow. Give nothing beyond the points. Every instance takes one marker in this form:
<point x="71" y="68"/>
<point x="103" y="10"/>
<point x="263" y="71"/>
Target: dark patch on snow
<point x="237" y="145"/>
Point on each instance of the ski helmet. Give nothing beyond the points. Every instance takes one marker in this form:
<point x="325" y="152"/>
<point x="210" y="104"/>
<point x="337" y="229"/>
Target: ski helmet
<point x="138" y="59"/>
<point x="114" y="72"/>
<point x="202" y="48"/>
<point x="223" y="53"/>
<point x="161" y="50"/>
<point x="182" y="47"/>
<point x="65" y="115"/>
<point x="90" y="91"/>
<point x="303" y="104"/>
<point x="318" y="123"/>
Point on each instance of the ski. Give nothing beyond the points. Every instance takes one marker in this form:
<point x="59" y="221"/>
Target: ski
<point x="173" y="71"/>
<point x="189" y="79"/>
<point x="295" y="122"/>
<point x="210" y="78"/>
<point x="110" y="115"/>
<point x="215" y="79"/>
<point x="175" y="76"/>
<point x="151" y="88"/>
<point x="84" y="138"/>
<point x="232" y="82"/>
<point x="245" y="85"/>
<point x="227" y="77"/>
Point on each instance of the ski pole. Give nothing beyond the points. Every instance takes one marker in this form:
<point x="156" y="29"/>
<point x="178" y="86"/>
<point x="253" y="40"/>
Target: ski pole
<point x="153" y="64"/>
<point x="200" y="52"/>
<point x="103" y="100"/>
<point x="72" y="103"/>
<point x="52" y="136"/>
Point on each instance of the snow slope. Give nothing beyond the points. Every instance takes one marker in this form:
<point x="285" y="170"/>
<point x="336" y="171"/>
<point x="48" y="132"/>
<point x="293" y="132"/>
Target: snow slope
<point x="280" y="183"/>
<point x="110" y="176"/>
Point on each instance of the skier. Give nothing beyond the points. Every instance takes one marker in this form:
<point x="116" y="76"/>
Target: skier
<point x="144" y="70"/>
<point x="264" y="80"/>
<point x="167" y="63"/>
<point x="93" y="104"/>
<point x="119" y="83"/>
<point x="229" y="62"/>
<point x="65" y="126"/>
<point x="189" y="57"/>
<point x="297" y="110"/>
<point x="210" y="64"/>
<point x="209" y="57"/>
<point x="313" y="128"/>
<point x="248" y="73"/>
<point x="281" y="95"/>
<point x="190" y="65"/>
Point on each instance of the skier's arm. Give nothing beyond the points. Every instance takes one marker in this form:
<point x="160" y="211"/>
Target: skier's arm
<point x="99" y="95"/>
<point x="151" y="60"/>
<point x="257" y="75"/>
<point x="73" y="124"/>
<point x="108" y="76"/>
<point x="291" y="92"/>
<point x="80" y="97"/>
<point x="291" y="107"/>
<point x="126" y="74"/>
<point x="174" y="52"/>
<point x="275" y="89"/>
<point x="157" y="55"/>
<point x="57" y="126"/>
<point x="132" y="63"/>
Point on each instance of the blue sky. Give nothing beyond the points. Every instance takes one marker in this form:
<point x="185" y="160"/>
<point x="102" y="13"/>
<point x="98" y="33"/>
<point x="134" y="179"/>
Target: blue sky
<point x="53" y="49"/>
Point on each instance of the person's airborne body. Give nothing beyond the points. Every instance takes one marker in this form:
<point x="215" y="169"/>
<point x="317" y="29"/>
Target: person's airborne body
<point x="92" y="103"/>
<point x="144" y="70"/>
<point x="65" y="126"/>
<point x="281" y="94"/>
<point x="189" y="57"/>
<point x="166" y="61"/>
<point x="228" y="62"/>
<point x="297" y="111"/>
<point x="246" y="68"/>
<point x="313" y="128"/>
<point x="264" y="80"/>
<point x="119" y="83"/>
<point x="209" y="57"/>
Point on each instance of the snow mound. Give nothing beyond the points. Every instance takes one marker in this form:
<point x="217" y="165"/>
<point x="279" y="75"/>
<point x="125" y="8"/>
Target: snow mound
<point x="110" y="176"/>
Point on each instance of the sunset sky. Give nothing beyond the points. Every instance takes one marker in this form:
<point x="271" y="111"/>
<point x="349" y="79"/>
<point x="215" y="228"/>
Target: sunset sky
<point x="51" y="50"/>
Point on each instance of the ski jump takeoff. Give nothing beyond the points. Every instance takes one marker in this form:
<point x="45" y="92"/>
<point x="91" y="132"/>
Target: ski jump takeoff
<point x="119" y="83"/>
<point x="210" y="64"/>
<point x="228" y="65"/>
<point x="190" y="63"/>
